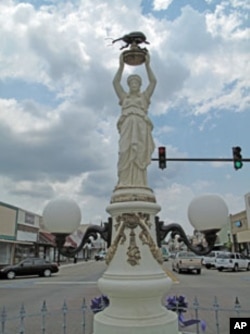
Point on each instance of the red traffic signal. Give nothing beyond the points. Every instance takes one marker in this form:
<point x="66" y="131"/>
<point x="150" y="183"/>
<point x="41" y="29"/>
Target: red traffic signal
<point x="162" y="157"/>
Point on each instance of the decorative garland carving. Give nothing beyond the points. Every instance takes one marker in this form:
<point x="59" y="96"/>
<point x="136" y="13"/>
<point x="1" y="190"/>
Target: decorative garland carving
<point x="132" y="221"/>
<point x="131" y="197"/>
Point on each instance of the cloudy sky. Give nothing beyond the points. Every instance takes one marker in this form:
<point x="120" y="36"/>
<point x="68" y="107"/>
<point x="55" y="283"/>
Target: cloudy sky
<point x="58" y="110"/>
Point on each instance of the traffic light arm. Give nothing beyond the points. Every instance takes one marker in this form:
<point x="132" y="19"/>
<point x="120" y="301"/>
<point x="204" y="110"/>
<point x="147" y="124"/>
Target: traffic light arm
<point x="236" y="159"/>
<point x="201" y="159"/>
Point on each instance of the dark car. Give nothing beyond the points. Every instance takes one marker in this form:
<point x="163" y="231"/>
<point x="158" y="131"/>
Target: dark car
<point x="29" y="266"/>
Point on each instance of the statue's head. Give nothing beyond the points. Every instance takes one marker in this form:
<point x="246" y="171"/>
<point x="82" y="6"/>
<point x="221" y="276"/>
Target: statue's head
<point x="134" y="82"/>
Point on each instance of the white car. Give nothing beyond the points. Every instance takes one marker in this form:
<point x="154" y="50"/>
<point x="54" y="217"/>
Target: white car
<point x="209" y="260"/>
<point x="165" y="253"/>
<point x="100" y="256"/>
<point x="232" y="261"/>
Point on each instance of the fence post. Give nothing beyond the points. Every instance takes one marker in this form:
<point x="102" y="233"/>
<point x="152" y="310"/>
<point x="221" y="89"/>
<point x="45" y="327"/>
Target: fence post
<point x="22" y="317"/>
<point x="3" y="319"/>
<point x="44" y="311"/>
<point x="237" y="306"/>
<point x="196" y="307"/>
<point x="84" y="307"/>
<point x="64" y="311"/>
<point x="216" y="311"/>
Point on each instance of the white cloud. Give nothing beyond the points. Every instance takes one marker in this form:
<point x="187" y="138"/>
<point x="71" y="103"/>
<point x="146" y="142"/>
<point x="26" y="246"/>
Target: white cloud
<point x="218" y="164"/>
<point x="174" y="201"/>
<point x="164" y="130"/>
<point x="161" y="4"/>
<point x="209" y="63"/>
<point x="21" y="120"/>
<point x="227" y="25"/>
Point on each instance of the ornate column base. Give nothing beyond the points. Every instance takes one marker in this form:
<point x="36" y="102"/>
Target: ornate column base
<point x="132" y="194"/>
<point x="134" y="280"/>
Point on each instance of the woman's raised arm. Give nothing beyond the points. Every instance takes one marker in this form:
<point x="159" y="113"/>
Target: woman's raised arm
<point x="151" y="77"/>
<point x="117" y="79"/>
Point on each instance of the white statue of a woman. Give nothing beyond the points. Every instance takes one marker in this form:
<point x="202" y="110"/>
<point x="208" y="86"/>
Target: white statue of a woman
<point x="136" y="144"/>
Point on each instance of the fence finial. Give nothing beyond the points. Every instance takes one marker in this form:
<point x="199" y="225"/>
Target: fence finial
<point x="237" y="306"/>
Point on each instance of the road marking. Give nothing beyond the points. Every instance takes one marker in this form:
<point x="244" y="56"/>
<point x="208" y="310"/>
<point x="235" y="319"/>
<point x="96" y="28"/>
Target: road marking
<point x="172" y="276"/>
<point x="16" y="285"/>
<point x="71" y="283"/>
<point x="27" y="284"/>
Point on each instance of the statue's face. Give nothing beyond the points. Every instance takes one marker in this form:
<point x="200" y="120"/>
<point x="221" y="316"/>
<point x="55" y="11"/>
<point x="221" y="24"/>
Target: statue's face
<point x="134" y="85"/>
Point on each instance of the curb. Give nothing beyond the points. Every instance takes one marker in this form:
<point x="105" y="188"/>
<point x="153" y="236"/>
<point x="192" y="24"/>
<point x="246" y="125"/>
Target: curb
<point x="63" y="265"/>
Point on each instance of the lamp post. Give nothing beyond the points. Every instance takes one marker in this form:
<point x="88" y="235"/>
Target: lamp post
<point x="136" y="285"/>
<point x="135" y="281"/>
<point x="229" y="241"/>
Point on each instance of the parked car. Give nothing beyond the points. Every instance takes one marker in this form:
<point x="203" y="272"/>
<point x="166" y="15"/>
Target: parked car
<point x="165" y="253"/>
<point x="186" y="261"/>
<point x="29" y="266"/>
<point x="232" y="261"/>
<point x="100" y="256"/>
<point x="209" y="260"/>
<point x="172" y="255"/>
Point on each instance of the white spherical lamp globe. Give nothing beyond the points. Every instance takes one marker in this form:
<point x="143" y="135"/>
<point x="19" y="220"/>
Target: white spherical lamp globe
<point x="61" y="216"/>
<point x="208" y="212"/>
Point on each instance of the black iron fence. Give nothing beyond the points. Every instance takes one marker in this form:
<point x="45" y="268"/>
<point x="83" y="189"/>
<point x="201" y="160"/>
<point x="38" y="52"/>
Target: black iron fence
<point x="79" y="320"/>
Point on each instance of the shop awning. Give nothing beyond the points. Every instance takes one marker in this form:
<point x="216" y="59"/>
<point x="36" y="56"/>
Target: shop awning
<point x="17" y="242"/>
<point x="45" y="238"/>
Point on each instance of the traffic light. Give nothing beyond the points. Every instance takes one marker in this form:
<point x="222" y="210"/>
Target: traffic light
<point x="162" y="157"/>
<point x="237" y="157"/>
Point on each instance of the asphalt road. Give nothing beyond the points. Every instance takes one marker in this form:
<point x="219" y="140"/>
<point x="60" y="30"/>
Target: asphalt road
<point x="77" y="281"/>
<point x="73" y="284"/>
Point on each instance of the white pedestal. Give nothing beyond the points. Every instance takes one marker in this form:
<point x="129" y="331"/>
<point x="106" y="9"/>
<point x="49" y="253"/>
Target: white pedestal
<point x="134" y="280"/>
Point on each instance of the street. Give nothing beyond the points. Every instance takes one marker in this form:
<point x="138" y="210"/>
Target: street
<point x="226" y="286"/>
<point x="77" y="281"/>
<point x="73" y="283"/>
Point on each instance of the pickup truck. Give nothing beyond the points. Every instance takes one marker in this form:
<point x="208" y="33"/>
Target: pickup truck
<point x="186" y="261"/>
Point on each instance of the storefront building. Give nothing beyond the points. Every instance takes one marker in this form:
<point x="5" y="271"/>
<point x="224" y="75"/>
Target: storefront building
<point x="240" y="229"/>
<point x="20" y="236"/>
<point x="8" y="230"/>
